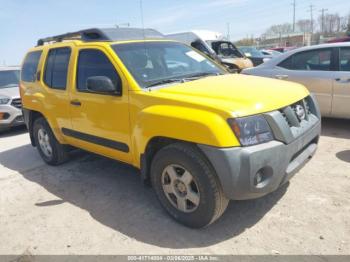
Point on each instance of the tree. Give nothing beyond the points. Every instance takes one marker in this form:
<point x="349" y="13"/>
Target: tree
<point x="332" y="23"/>
<point x="280" y="29"/>
<point x="304" y="25"/>
<point x="245" y="42"/>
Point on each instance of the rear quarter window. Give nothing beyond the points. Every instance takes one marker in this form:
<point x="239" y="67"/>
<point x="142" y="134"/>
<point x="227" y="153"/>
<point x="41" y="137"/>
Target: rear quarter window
<point x="30" y="66"/>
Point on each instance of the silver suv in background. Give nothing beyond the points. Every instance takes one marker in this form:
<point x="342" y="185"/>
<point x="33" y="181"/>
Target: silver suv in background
<point x="10" y="101"/>
<point x="323" y="69"/>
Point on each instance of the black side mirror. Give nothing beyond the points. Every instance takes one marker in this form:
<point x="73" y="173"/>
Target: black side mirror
<point x="102" y="85"/>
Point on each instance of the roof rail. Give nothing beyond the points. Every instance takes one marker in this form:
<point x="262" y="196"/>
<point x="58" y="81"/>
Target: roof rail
<point x="107" y="34"/>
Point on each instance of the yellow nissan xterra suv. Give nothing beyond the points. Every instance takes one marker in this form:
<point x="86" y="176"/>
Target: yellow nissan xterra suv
<point x="201" y="136"/>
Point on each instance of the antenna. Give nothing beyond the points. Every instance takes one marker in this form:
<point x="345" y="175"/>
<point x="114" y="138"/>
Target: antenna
<point x="142" y="23"/>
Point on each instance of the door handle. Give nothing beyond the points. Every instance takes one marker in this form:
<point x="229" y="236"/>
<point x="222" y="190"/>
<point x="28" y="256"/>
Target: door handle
<point x="75" y="102"/>
<point x="342" y="80"/>
<point x="281" y="77"/>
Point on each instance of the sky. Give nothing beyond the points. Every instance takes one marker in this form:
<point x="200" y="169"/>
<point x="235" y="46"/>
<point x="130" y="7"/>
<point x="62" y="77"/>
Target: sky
<point x="23" y="22"/>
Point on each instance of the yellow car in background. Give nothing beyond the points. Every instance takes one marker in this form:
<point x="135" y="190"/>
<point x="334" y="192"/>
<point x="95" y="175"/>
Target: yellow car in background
<point x="199" y="135"/>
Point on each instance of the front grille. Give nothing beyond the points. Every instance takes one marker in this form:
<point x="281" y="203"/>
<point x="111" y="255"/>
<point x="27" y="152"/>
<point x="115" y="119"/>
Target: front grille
<point x="17" y="102"/>
<point x="298" y="112"/>
<point x="292" y="121"/>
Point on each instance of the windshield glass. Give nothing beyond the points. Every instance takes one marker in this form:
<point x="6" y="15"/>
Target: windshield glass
<point x="251" y="51"/>
<point x="9" y="78"/>
<point x="226" y="49"/>
<point x="151" y="63"/>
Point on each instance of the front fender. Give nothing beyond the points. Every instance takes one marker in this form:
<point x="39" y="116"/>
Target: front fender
<point x="181" y="123"/>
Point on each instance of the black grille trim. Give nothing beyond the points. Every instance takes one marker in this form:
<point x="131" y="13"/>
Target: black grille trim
<point x="17" y="102"/>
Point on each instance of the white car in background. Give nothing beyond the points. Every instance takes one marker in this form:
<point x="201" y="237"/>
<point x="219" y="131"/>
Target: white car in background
<point x="323" y="69"/>
<point x="270" y="52"/>
<point x="10" y="101"/>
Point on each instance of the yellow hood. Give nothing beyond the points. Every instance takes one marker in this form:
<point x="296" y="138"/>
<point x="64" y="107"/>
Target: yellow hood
<point x="239" y="95"/>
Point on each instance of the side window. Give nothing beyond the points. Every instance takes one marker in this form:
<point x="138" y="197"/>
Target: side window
<point x="92" y="62"/>
<point x="287" y="63"/>
<point x="344" y="59"/>
<point x="56" y="69"/>
<point x="314" y="60"/>
<point x="30" y="65"/>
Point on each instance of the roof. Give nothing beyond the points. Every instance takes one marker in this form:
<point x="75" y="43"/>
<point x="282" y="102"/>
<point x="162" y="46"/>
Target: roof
<point x="340" y="39"/>
<point x="6" y="68"/>
<point x="204" y="35"/>
<point x="207" y="35"/>
<point x="276" y="60"/>
<point x="105" y="34"/>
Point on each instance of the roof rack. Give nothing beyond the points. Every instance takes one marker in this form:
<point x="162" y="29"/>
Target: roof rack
<point x="106" y="34"/>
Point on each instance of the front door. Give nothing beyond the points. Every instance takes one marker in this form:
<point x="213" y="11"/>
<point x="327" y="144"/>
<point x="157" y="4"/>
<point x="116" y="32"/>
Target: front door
<point x="341" y="85"/>
<point x="100" y="122"/>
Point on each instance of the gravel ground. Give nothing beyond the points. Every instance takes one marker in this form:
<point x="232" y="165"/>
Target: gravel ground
<point x="94" y="205"/>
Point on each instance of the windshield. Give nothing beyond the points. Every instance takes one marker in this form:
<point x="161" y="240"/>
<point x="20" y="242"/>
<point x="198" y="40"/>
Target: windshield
<point x="225" y="49"/>
<point x="153" y="63"/>
<point x="251" y="52"/>
<point x="9" y="78"/>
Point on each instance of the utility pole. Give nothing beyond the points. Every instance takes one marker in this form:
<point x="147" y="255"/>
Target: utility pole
<point x="322" y="18"/>
<point x="294" y="4"/>
<point x="312" y="18"/>
<point x="228" y="32"/>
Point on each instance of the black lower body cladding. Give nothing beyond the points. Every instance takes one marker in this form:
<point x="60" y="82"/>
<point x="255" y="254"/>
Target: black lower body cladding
<point x="254" y="171"/>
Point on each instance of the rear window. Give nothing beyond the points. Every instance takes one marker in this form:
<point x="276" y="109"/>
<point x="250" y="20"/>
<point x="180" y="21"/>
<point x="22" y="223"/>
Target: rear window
<point x="30" y="66"/>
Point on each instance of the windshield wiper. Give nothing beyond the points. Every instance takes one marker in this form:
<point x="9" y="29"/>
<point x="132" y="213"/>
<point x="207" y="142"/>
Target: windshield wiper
<point x="165" y="81"/>
<point x="184" y="79"/>
<point x="202" y="74"/>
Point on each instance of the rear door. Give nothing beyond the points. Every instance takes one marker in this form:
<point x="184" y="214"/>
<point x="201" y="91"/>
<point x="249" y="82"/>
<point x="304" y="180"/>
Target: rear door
<point x="315" y="70"/>
<point x="54" y="78"/>
<point x="341" y="85"/>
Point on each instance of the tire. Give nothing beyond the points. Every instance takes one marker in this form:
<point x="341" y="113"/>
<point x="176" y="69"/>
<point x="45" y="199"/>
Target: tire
<point x="204" y="201"/>
<point x="58" y="153"/>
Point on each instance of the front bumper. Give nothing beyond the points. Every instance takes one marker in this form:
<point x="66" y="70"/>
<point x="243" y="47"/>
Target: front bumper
<point x="277" y="162"/>
<point x="12" y="116"/>
<point x="254" y="171"/>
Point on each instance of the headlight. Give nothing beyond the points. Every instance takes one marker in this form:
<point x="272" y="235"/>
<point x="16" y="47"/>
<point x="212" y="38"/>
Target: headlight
<point x="251" y="130"/>
<point x="4" y="100"/>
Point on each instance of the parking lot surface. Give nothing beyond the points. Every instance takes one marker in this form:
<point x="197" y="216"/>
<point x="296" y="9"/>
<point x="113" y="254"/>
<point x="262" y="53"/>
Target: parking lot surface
<point x="94" y="205"/>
